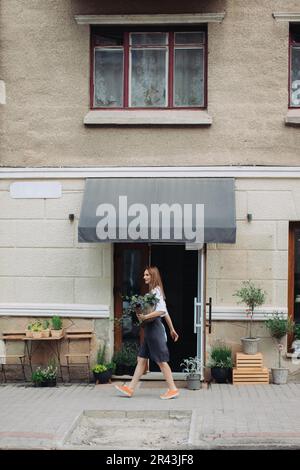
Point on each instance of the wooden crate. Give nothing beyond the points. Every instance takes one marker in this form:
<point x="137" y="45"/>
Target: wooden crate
<point x="252" y="375"/>
<point x="249" y="360"/>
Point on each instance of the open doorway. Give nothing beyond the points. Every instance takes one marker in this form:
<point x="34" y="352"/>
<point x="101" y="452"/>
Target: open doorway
<point x="178" y="268"/>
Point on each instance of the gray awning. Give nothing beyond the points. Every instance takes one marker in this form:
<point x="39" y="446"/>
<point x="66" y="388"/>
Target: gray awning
<point x="215" y="194"/>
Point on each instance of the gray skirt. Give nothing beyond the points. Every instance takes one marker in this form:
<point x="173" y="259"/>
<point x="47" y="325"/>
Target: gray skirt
<point x="154" y="346"/>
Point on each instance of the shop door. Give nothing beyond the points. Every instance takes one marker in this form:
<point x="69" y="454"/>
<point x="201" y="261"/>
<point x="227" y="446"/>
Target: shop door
<point x="178" y="268"/>
<point x="130" y="260"/>
<point x="179" y="271"/>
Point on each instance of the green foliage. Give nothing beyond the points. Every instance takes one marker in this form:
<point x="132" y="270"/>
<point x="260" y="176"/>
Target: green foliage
<point x="46" y="324"/>
<point x="46" y="374"/>
<point x="192" y="365"/>
<point x="220" y="355"/>
<point x="279" y="326"/>
<point x="36" y="326"/>
<point x="98" y="368"/>
<point x="127" y="355"/>
<point x="56" y="322"/>
<point x="144" y="303"/>
<point x="101" y="354"/>
<point x="252" y="296"/>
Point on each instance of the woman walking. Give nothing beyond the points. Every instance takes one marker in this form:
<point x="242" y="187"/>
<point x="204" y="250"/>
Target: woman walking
<point x="155" y="339"/>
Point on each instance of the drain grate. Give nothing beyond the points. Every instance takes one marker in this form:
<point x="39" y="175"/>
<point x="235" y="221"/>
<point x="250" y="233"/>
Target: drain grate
<point x="96" y="429"/>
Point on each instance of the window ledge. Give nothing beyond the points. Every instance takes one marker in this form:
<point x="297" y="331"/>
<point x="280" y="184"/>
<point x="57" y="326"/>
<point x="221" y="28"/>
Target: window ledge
<point x="293" y="117"/>
<point x="156" y="19"/>
<point x="145" y="117"/>
<point x="285" y="16"/>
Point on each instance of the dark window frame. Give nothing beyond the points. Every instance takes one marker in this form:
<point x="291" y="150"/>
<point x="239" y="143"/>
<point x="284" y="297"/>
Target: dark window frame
<point x="94" y="30"/>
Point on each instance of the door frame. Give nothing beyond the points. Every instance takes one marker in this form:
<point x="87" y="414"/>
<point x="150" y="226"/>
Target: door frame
<point x="200" y="314"/>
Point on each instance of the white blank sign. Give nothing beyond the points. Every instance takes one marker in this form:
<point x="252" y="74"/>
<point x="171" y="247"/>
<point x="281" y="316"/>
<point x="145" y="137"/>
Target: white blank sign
<point x="35" y="190"/>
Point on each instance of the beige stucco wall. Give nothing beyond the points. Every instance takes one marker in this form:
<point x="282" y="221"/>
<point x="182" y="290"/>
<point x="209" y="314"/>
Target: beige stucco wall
<point x="45" y="66"/>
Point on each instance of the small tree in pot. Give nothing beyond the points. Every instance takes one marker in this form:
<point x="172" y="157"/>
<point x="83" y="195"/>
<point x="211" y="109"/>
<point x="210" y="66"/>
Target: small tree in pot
<point x="192" y="367"/>
<point x="279" y="327"/>
<point x="253" y="297"/>
<point x="221" y="362"/>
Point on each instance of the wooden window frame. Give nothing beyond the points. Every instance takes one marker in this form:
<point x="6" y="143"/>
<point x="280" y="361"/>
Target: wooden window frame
<point x="170" y="65"/>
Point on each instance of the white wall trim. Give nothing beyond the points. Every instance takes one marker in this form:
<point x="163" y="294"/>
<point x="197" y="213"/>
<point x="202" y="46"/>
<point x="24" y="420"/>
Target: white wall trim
<point x="285" y="16"/>
<point x="293" y="117"/>
<point x="148" y="117"/>
<point x="156" y="19"/>
<point x="152" y="172"/>
<point x="239" y="314"/>
<point x="48" y="310"/>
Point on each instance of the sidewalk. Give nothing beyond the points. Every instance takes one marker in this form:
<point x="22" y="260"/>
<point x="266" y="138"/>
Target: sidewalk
<point x="222" y="416"/>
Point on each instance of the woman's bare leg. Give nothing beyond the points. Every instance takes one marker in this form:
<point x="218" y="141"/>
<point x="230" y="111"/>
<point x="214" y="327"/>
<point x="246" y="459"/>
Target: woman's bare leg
<point x="166" y="370"/>
<point x="139" y="371"/>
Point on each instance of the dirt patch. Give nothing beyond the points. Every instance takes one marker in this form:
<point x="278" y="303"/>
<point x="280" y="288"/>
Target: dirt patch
<point x="131" y="430"/>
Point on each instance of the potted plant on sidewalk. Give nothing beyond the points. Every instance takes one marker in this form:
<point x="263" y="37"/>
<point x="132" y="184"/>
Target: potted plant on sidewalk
<point x="102" y="371"/>
<point x="126" y="359"/>
<point x="45" y="377"/>
<point x="253" y="297"/>
<point x="192" y="368"/>
<point x="279" y="327"/>
<point x="221" y="362"/>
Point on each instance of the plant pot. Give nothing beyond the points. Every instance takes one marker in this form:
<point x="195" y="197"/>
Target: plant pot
<point x="296" y="345"/>
<point x="103" y="377"/>
<point x="28" y="334"/>
<point x="222" y="375"/>
<point x="250" y="345"/>
<point x="193" y="382"/>
<point x="280" y="375"/>
<point x="36" y="334"/>
<point x="46" y="383"/>
<point x="122" y="369"/>
<point x="56" y="333"/>
<point x="45" y="333"/>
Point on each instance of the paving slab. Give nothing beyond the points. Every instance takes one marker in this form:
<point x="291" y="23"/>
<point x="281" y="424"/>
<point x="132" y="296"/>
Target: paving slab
<point x="222" y="416"/>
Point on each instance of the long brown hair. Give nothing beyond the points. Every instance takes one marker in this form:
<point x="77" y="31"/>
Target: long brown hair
<point x="155" y="279"/>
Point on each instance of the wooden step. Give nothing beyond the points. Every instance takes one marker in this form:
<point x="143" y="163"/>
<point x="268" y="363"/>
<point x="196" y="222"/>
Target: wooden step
<point x="245" y="376"/>
<point x="249" y="360"/>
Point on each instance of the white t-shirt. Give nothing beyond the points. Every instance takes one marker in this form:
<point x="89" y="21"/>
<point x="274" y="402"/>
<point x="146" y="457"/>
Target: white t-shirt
<point x="161" y="306"/>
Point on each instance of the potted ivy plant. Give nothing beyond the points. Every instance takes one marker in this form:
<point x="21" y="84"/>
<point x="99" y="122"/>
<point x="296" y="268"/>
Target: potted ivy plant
<point x="221" y="362"/>
<point x="36" y="329"/>
<point x="253" y="297"/>
<point x="279" y="327"/>
<point x="192" y="368"/>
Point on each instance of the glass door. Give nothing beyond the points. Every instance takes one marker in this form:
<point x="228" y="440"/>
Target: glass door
<point x="130" y="261"/>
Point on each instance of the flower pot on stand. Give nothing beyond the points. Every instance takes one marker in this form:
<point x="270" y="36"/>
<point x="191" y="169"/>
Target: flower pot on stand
<point x="279" y="375"/>
<point x="250" y="345"/>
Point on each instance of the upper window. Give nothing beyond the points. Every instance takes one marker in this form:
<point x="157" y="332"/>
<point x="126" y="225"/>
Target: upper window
<point x="148" y="69"/>
<point x="295" y="65"/>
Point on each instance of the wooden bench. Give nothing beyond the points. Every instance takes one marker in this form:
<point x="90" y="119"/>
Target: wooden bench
<point x="79" y="335"/>
<point x="13" y="336"/>
<point x="249" y="370"/>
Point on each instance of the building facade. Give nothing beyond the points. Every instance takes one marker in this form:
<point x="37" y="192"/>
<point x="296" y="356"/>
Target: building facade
<point x="80" y="100"/>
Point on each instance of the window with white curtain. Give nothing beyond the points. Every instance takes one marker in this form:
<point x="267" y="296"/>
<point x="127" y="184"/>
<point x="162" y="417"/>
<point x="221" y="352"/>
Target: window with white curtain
<point x="148" y="69"/>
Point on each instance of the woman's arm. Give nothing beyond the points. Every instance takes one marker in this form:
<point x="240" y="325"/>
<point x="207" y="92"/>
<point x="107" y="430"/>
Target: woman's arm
<point x="149" y="316"/>
<point x="173" y="333"/>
